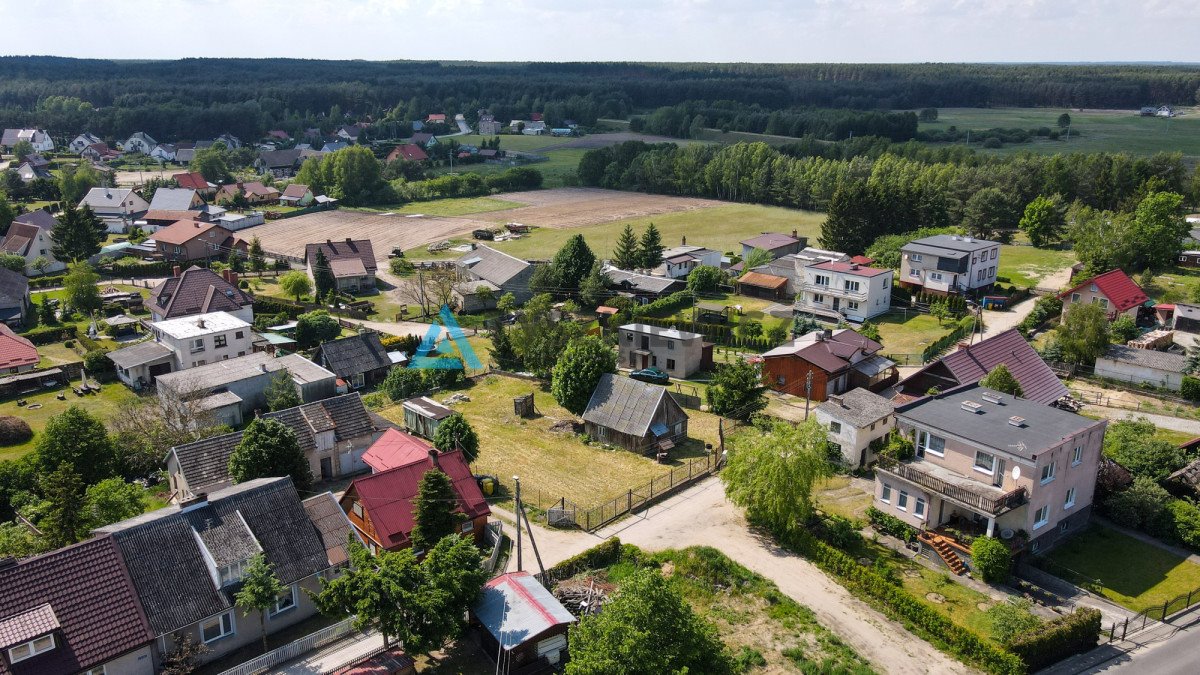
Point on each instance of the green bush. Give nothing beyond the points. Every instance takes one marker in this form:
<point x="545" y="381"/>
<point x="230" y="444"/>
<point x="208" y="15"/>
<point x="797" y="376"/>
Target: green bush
<point x="1185" y="518"/>
<point x="1055" y="640"/>
<point x="49" y="334"/>
<point x="891" y="525"/>
<point x="1190" y="389"/>
<point x="603" y="554"/>
<point x="992" y="559"/>
<point x="1043" y="310"/>
<point x="14" y="430"/>
<point x="98" y="364"/>
<point x="839" y="531"/>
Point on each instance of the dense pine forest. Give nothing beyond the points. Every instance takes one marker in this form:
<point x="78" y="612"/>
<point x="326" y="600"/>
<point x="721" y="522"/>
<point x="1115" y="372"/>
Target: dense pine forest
<point x="199" y="98"/>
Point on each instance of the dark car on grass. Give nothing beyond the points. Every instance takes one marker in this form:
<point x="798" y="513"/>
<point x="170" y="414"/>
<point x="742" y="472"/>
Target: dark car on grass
<point x="651" y="375"/>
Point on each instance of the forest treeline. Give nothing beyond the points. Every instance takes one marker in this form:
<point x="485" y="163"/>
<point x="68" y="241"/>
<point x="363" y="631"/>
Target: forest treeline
<point x="878" y="188"/>
<point x="688" y="120"/>
<point x="200" y="98"/>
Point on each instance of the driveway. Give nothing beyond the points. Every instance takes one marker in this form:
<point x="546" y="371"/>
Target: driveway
<point x="702" y="516"/>
<point x="995" y="322"/>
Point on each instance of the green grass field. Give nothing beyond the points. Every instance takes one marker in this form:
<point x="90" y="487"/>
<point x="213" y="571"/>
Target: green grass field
<point x="102" y="405"/>
<point x="909" y="333"/>
<point x="1025" y="266"/>
<point x="1132" y="574"/>
<point x="719" y="228"/>
<point x="1179" y="284"/>
<point x="558" y="170"/>
<point x="1099" y="130"/>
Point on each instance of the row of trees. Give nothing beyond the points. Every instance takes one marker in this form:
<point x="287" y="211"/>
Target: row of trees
<point x="692" y="118"/>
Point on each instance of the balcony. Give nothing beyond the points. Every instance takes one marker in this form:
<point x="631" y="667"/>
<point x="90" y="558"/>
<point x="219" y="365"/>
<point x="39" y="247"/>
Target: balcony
<point x="970" y="493"/>
<point x="833" y="291"/>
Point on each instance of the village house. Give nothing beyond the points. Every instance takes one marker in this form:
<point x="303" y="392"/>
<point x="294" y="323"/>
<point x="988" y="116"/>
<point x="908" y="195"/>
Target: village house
<point x="333" y="434"/>
<point x="381" y="508"/>
<point x="187" y="240"/>
<point x="760" y="285"/>
<point x="792" y="265"/>
<point x="279" y="163"/>
<point x="1113" y="290"/>
<point x="856" y="421"/>
<point x="139" y="143"/>
<point x="186" y="560"/>
<point x="17" y="354"/>
<point x="970" y="363"/>
<point x="423" y="415"/>
<point x="33" y="167"/>
<point x="488" y="125"/>
<point x="179" y="344"/>
<point x="436" y="118"/>
<point x="358" y="360"/>
<point x="422" y="140"/>
<point x="333" y="527"/>
<point x="643" y="288"/>
<point x="523" y="623"/>
<point x="351" y="260"/>
<point x="99" y="153"/>
<point x="508" y="274"/>
<point x="991" y="464"/>
<point x="838" y="360"/>
<point x="677" y="353"/>
<point x="633" y="415"/>
<point x="15" y="303"/>
<point x="296" y="194"/>
<point x="254" y="192"/>
<point x="40" y="140"/>
<point x="845" y="290"/>
<point x="408" y="152"/>
<point x="73" y="611"/>
<point x="117" y="207"/>
<point x="395" y="448"/>
<point x="949" y="264"/>
<point x="233" y="391"/>
<point x="29" y="236"/>
<point x="778" y="245"/>
<point x="82" y="141"/>
<point x="678" y="262"/>
<point x="350" y="133"/>
<point x="190" y="180"/>
<point x="166" y="152"/>
<point x="176" y="199"/>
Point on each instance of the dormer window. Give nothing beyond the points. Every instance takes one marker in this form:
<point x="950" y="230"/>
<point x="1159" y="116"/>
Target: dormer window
<point x="232" y="573"/>
<point x="31" y="649"/>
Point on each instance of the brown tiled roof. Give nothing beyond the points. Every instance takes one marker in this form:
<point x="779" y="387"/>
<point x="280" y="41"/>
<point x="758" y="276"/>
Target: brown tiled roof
<point x="191" y="180"/>
<point x="184" y="231"/>
<point x="175" y="216"/>
<point x="16" y="351"/>
<point x="297" y="190"/>
<point x="346" y="248"/>
<point x="196" y="291"/>
<point x="760" y="280"/>
<point x="92" y="600"/>
<point x="970" y="364"/>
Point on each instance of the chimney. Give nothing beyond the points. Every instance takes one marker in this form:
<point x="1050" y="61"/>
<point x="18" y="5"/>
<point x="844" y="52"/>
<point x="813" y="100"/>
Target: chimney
<point x="194" y="502"/>
<point x="963" y="344"/>
<point x="433" y="457"/>
<point x="263" y="367"/>
<point x="329" y="242"/>
<point x="200" y="322"/>
<point x="176" y="270"/>
<point x="795" y="234"/>
<point x="836" y="399"/>
<point x="225" y="275"/>
<point x="233" y="277"/>
<point x="349" y="240"/>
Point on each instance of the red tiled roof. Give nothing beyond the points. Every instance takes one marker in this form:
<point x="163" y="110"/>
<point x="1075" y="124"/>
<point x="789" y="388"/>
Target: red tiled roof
<point x="851" y="268"/>
<point x="15" y="351"/>
<point x="388" y="495"/>
<point x="183" y="231"/>
<point x="190" y="180"/>
<point x="862" y="260"/>
<point x="970" y="364"/>
<point x="395" y="448"/>
<point x="1121" y="291"/>
<point x="830" y="354"/>
<point x="408" y="152"/>
<point x="760" y="280"/>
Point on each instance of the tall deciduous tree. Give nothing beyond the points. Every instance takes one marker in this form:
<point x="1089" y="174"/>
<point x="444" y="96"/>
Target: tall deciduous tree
<point x="987" y="212"/>
<point x="260" y="592"/>
<point x="572" y="263"/>
<point x="7" y="213"/>
<point x="540" y="338"/>
<point x="75" y="181"/>
<point x="112" y="500"/>
<point x="650" y="248"/>
<point x="735" y="391"/>
<point x="323" y="278"/>
<point x="647" y="627"/>
<point x="1158" y="230"/>
<point x="78" y="235"/>
<point x="270" y="448"/>
<point x="578" y="372"/>
<point x="434" y="512"/>
<point x="316" y="327"/>
<point x="212" y="163"/>
<point x="295" y="284"/>
<point x="626" y="255"/>
<point x="1083" y="334"/>
<point x="771" y="472"/>
<point x="1044" y="221"/>
<point x="1001" y="379"/>
<point x="77" y="438"/>
<point x="456" y="433"/>
<point x="80" y="284"/>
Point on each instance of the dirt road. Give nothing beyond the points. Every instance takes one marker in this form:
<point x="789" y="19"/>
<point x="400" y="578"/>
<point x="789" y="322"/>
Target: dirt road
<point x="702" y="516"/>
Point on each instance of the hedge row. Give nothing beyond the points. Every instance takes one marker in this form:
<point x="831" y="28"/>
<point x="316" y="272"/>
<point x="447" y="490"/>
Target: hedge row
<point x="51" y="281"/>
<point x="264" y="304"/>
<point x="1055" y="640"/>
<point x="49" y="334"/>
<point x="603" y="554"/>
<point x="956" y="303"/>
<point x="89" y="345"/>
<point x="900" y="604"/>
<point x="891" y="525"/>
<point x="1043" y="310"/>
<point x="719" y="334"/>
<point x="670" y="303"/>
<point x="965" y="326"/>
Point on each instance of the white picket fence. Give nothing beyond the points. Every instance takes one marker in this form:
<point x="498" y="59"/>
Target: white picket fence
<point x="291" y="650"/>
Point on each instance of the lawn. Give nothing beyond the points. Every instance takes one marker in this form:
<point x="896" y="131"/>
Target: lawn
<point x="836" y="496"/>
<point x="521" y="143"/>
<point x="1131" y="573"/>
<point x="558" y="169"/>
<point x="752" y="311"/>
<point x="909" y="332"/>
<point x="1099" y="130"/>
<point x="720" y="228"/>
<point x="102" y="405"/>
<point x="1025" y="266"/>
<point x="1179" y="284"/>
<point x="553" y="465"/>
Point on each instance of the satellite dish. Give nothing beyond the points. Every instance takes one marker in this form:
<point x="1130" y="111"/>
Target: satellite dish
<point x="1016" y="473"/>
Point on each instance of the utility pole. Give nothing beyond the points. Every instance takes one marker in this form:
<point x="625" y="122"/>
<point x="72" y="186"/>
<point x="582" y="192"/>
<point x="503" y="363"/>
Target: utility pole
<point x="517" y="497"/>
<point x="807" y="391"/>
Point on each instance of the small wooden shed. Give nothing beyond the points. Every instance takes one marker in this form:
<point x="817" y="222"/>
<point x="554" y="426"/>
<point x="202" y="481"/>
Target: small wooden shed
<point x="634" y="415"/>
<point x="423" y="415"/>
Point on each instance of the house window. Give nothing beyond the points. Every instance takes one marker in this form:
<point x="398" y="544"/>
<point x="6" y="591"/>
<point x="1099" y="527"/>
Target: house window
<point x="995" y="251"/>
<point x="98" y="670"/>
<point x="914" y="273"/>
<point x="286" y="601"/>
<point x="220" y="341"/>
<point x="467" y="526"/>
<point x="1035" y="547"/>
<point x="915" y="257"/>
<point x="1104" y="303"/>
<point x="852" y="286"/>
<point x="198" y="345"/>
<point x="1077" y="455"/>
<point x="1064" y="526"/>
<point x="886" y="495"/>
<point x="239" y="335"/>
<point x="902" y="502"/>
<point x="1048" y="473"/>
<point x="358" y="380"/>
<point x="357" y="509"/>
<point x="670" y="344"/>
<point x="927" y="442"/>
<point x="670" y="364"/>
<point x="919" y="508"/>
<point x="935" y="276"/>
<point x="835" y="427"/>
<point x="31" y="649"/>
<point x="818" y="299"/>
<point x="985" y="462"/>
<point x="1070" y="500"/>
<point x="1041" y="517"/>
<point x="1075" y="297"/>
<point x="629" y="337"/>
<point x="217" y="627"/>
<point x="821" y="280"/>
<point x="851" y="305"/>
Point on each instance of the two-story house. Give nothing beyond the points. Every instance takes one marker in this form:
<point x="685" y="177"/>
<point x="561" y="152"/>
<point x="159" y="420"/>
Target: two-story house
<point x="507" y="273"/>
<point x="992" y="464"/>
<point x="677" y="353"/>
<point x="679" y="261"/>
<point x="40" y="140"/>
<point x="179" y="344"/>
<point x="197" y="290"/>
<point x="117" y="207"/>
<point x="854" y="421"/>
<point x="194" y="240"/>
<point x="1114" y="291"/>
<point x="30" y="236"/>
<point x="140" y="143"/>
<point x="845" y="290"/>
<point x="352" y="262"/>
<point x="822" y="363"/>
<point x="82" y="141"/>
<point x="949" y="264"/>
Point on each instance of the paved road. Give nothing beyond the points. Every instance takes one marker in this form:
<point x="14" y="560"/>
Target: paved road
<point x="702" y="516"/>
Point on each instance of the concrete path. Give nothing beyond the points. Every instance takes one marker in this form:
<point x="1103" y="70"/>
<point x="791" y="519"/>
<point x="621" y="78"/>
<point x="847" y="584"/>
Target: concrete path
<point x="996" y="322"/>
<point x="1186" y="425"/>
<point x="335" y="655"/>
<point x="702" y="516"/>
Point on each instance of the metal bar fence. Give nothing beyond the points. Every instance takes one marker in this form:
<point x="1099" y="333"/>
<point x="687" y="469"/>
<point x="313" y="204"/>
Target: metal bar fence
<point x="293" y="649"/>
<point x="634" y="498"/>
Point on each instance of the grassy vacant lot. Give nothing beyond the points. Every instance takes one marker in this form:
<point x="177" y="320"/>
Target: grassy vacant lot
<point x="1131" y="573"/>
<point x="838" y="497"/>
<point x="553" y="465"/>
<point x="102" y="405"/>
<point x="909" y="332"/>
<point x="521" y="143"/>
<point x="1025" y="266"/>
<point x="1099" y="130"/>
<point x="753" y="618"/>
<point x="557" y="170"/>
<point x="719" y="228"/>
<point x="1179" y="284"/>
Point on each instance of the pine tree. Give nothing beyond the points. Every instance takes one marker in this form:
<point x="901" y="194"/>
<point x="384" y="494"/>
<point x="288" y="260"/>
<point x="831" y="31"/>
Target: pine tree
<point x="78" y="235"/>
<point x="626" y="255"/>
<point x="281" y="392"/>
<point x="64" y="522"/>
<point x="323" y="275"/>
<point x="650" y="248"/>
<point x="593" y="290"/>
<point x="503" y="351"/>
<point x="258" y="261"/>
<point x="433" y="514"/>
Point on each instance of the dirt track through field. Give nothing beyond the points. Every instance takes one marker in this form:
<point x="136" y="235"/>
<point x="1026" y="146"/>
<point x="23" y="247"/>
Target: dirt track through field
<point x="561" y="208"/>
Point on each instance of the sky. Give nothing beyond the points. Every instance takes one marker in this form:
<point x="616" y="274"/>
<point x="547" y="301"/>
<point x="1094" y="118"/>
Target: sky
<point x="876" y="31"/>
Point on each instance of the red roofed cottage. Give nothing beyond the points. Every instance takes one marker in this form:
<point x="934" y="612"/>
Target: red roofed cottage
<point x="1113" y="290"/>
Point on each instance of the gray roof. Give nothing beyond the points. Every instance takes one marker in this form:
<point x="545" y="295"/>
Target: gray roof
<point x="14" y="288"/>
<point x="162" y="549"/>
<point x="172" y="199"/>
<point x="38" y="218"/>
<point x="353" y="355"/>
<point x="642" y="282"/>
<point x="303" y="370"/>
<point x="219" y="373"/>
<point x="673" y="333"/>
<point x="427" y="407"/>
<point x="275" y="159"/>
<point x="1147" y="358"/>
<point x="332" y="525"/>
<point x="105" y="197"/>
<point x="951" y="242"/>
<point x="857" y="407"/>
<point x="139" y="354"/>
<point x="492" y="265"/>
<point x="205" y="463"/>
<point x="624" y="404"/>
<point x="1043" y="427"/>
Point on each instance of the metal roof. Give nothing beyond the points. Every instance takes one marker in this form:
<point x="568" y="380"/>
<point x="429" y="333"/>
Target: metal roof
<point x="199" y="325"/>
<point x="491" y="265"/>
<point x="624" y="404"/>
<point x="515" y="608"/>
<point x="673" y="333"/>
<point x="1147" y="358"/>
<point x="139" y="354"/>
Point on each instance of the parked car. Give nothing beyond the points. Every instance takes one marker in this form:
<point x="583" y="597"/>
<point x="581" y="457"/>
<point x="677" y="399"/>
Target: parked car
<point x="651" y="375"/>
